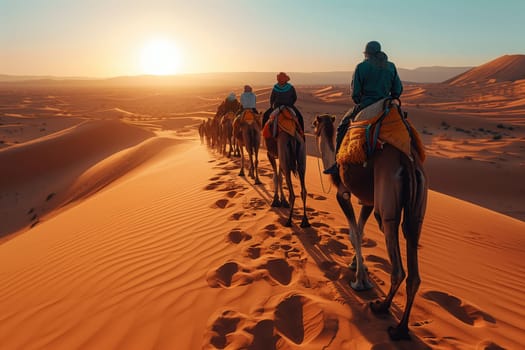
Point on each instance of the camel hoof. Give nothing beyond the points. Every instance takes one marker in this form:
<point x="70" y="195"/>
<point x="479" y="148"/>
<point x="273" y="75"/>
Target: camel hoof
<point x="276" y="203"/>
<point x="305" y="222"/>
<point x="379" y="307"/>
<point x="241" y="173"/>
<point x="285" y="204"/>
<point x="398" y="333"/>
<point x="258" y="182"/>
<point x="361" y="285"/>
<point x="288" y="223"/>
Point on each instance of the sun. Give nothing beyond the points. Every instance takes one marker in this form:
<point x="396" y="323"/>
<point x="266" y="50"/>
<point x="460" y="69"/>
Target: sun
<point x="160" y="57"/>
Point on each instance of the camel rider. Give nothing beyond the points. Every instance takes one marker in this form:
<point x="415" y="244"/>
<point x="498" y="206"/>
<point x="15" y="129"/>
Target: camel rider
<point x="230" y="104"/>
<point x="374" y="79"/>
<point x="248" y="99"/>
<point x="283" y="94"/>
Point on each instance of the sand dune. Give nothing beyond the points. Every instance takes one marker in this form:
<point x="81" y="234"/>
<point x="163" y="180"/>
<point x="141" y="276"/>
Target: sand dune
<point x="504" y="68"/>
<point x="47" y="166"/>
<point x="130" y="266"/>
<point x="125" y="232"/>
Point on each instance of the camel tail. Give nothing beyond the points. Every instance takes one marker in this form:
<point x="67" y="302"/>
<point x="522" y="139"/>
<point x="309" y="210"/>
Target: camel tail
<point x="416" y="196"/>
<point x="292" y="155"/>
<point x="255" y="140"/>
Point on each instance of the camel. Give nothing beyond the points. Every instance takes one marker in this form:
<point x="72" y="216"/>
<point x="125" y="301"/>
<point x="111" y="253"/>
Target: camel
<point x="202" y="128"/>
<point x="247" y="133"/>
<point x="291" y="151"/>
<point x="226" y="133"/>
<point x="391" y="184"/>
<point x="208" y="132"/>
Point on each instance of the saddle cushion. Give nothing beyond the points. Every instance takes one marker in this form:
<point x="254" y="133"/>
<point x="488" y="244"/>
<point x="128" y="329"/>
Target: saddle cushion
<point x="286" y="121"/>
<point x="392" y="131"/>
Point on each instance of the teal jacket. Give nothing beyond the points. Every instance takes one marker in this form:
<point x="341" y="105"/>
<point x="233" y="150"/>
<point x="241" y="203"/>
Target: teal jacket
<point x="372" y="83"/>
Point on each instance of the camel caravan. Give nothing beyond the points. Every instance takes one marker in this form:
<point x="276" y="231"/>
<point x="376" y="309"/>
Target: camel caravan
<point x="377" y="157"/>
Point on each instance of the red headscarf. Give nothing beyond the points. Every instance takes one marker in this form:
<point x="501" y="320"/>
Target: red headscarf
<point x="282" y="78"/>
<point x="247" y="88"/>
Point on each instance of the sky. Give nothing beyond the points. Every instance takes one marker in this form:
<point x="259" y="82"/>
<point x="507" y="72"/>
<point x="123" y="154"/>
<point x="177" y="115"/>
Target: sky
<point x="104" y="38"/>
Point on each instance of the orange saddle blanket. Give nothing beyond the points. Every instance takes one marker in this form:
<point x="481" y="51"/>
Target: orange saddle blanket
<point x="286" y="121"/>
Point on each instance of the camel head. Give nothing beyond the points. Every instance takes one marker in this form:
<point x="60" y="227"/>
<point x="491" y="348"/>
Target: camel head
<point x="324" y="133"/>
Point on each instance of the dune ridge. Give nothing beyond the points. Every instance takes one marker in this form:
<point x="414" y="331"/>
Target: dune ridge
<point x="65" y="166"/>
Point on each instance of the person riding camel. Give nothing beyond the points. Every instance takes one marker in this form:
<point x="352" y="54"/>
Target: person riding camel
<point x="248" y="99"/>
<point x="283" y="94"/>
<point x="374" y="79"/>
<point x="230" y="104"/>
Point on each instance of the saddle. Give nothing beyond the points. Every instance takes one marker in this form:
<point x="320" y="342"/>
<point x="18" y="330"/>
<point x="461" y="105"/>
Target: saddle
<point x="227" y="116"/>
<point x="283" y="119"/>
<point x="387" y="125"/>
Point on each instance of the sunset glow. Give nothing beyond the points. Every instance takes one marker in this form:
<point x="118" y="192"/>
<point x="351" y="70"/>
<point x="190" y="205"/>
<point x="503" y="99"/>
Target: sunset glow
<point x="160" y="57"/>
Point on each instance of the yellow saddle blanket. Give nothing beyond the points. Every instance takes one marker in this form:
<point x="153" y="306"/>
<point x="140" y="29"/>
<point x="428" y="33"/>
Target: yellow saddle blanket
<point x="363" y="136"/>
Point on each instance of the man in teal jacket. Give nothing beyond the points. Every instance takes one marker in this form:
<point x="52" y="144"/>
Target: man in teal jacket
<point x="374" y="79"/>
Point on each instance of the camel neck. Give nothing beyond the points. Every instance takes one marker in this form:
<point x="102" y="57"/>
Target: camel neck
<point x="327" y="152"/>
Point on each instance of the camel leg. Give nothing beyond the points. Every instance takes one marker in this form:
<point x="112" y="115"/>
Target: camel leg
<point x="304" y="222"/>
<point x="284" y="202"/>
<point x="412" y="285"/>
<point x="251" y="171"/>
<point x="276" y="202"/>
<point x="361" y="279"/>
<point x="257" y="181"/>
<point x="241" y="173"/>
<point x="364" y="214"/>
<point x="291" y="197"/>
<point x="390" y="228"/>
<point x="412" y="222"/>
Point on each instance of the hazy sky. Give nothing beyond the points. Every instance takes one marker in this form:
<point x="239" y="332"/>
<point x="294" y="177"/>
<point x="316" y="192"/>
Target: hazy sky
<point x="126" y="37"/>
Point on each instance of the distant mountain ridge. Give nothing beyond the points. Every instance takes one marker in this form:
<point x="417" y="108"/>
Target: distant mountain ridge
<point x="418" y="75"/>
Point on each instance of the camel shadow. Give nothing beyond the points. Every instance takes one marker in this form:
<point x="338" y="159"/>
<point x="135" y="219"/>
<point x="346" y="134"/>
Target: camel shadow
<point x="357" y="301"/>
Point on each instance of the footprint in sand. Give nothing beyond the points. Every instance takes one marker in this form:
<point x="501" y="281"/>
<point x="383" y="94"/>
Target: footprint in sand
<point x="237" y="216"/>
<point x="336" y="247"/>
<point x="221" y="203"/>
<point x="291" y="320"/>
<point x="231" y="194"/>
<point x="279" y="271"/>
<point x="254" y="251"/>
<point x="489" y="345"/>
<point x="380" y="263"/>
<point x="368" y="243"/>
<point x="213" y="185"/>
<point x="287" y="237"/>
<point x="458" y="308"/>
<point x="255" y="203"/>
<point x="225" y="324"/>
<point x="316" y="197"/>
<point x="237" y="236"/>
<point x="319" y="224"/>
<point x="331" y="270"/>
<point x="228" y="275"/>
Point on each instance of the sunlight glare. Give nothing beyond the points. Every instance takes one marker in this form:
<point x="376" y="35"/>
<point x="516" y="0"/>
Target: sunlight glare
<point x="160" y="57"/>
